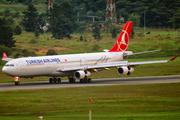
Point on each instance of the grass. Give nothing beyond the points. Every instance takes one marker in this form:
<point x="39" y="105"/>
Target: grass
<point x="156" y="40"/>
<point x="142" y="102"/>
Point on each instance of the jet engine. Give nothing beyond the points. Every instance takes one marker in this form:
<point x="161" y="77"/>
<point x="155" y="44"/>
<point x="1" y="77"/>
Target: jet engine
<point x="81" y="74"/>
<point x="126" y="70"/>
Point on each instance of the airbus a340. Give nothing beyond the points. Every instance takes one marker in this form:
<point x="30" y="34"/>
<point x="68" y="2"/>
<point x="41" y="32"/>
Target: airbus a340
<point x="76" y="66"/>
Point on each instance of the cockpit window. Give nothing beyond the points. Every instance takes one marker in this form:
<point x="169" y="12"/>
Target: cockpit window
<point x="9" y="65"/>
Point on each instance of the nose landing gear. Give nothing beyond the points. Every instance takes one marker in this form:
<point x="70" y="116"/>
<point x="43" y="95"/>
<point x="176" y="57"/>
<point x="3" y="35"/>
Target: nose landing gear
<point x="16" y="79"/>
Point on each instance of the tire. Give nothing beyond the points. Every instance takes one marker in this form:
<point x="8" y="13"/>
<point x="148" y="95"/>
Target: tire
<point x="59" y="80"/>
<point x="16" y="83"/>
<point x="50" y="80"/>
<point x="81" y="81"/>
<point x="73" y="80"/>
<point x="70" y="80"/>
<point x="89" y="80"/>
<point x="54" y="80"/>
<point x="85" y="80"/>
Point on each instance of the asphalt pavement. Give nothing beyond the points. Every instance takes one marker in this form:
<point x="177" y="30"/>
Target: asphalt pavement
<point x="95" y="82"/>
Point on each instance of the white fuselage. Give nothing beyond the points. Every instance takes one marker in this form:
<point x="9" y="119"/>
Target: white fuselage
<point x="47" y="65"/>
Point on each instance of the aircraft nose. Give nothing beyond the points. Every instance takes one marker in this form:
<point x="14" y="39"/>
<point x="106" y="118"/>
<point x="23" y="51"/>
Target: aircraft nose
<point x="4" y="69"/>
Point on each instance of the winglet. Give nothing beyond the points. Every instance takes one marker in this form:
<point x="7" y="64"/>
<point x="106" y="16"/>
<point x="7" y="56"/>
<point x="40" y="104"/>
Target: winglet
<point x="173" y="58"/>
<point x="4" y="55"/>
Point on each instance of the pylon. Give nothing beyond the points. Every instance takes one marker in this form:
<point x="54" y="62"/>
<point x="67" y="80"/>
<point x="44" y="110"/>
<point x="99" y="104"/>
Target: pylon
<point x="51" y="2"/>
<point x="111" y="10"/>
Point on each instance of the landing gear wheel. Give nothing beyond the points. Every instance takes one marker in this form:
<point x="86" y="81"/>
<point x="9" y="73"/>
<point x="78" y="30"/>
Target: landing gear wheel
<point x="85" y="80"/>
<point x="89" y="80"/>
<point x="72" y="80"/>
<point x="59" y="80"/>
<point x="16" y="83"/>
<point x="81" y="80"/>
<point x="54" y="80"/>
<point x="50" y="80"/>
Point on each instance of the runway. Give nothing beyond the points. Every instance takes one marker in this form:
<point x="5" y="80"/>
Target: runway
<point x="96" y="82"/>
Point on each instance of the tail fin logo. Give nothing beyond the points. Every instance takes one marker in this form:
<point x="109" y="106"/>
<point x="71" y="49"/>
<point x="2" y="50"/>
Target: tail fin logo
<point x="123" y="44"/>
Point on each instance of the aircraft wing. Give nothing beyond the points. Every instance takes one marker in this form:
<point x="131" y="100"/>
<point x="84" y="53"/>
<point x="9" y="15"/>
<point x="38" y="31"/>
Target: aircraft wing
<point x="111" y="64"/>
<point x="5" y="58"/>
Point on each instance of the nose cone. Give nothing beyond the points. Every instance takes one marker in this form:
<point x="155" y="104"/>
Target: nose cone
<point x="5" y="70"/>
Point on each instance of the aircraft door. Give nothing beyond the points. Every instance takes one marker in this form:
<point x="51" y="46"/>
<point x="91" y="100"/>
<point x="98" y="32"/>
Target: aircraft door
<point x="21" y="66"/>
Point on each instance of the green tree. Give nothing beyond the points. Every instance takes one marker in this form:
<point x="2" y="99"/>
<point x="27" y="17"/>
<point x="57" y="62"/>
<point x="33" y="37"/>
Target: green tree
<point x="6" y="36"/>
<point x="81" y="38"/>
<point x="30" y="18"/>
<point x="37" y="32"/>
<point x="17" y="55"/>
<point x="39" y="1"/>
<point x="114" y="33"/>
<point x="95" y="47"/>
<point x="132" y="33"/>
<point x="51" y="52"/>
<point x="96" y="33"/>
<point x="135" y="18"/>
<point x="6" y="50"/>
<point x="17" y="30"/>
<point x="175" y="21"/>
<point x="62" y="21"/>
<point x="27" y="2"/>
<point x="27" y="53"/>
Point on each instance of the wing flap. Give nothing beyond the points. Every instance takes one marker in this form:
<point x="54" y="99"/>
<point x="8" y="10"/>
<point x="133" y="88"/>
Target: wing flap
<point x="146" y="62"/>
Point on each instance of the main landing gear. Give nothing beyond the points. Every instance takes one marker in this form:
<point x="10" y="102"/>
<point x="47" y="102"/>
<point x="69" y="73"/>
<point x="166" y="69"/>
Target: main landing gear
<point x="54" y="80"/>
<point x="86" y="80"/>
<point x="71" y="80"/>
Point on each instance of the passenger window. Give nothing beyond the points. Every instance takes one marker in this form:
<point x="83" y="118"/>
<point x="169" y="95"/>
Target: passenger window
<point x="11" y="65"/>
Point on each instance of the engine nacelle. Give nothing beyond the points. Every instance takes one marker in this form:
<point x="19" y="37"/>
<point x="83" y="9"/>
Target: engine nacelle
<point x="125" y="70"/>
<point x="81" y="74"/>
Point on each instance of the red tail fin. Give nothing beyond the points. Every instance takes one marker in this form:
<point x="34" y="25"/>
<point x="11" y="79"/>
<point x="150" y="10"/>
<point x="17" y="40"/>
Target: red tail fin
<point x="4" y="55"/>
<point x="123" y="40"/>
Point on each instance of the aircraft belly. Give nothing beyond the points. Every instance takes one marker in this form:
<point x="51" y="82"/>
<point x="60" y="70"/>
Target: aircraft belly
<point x="35" y="71"/>
<point x="70" y="73"/>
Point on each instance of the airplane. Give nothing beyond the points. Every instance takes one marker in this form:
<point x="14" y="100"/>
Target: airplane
<point x="77" y="66"/>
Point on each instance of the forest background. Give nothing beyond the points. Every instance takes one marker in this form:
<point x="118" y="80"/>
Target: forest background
<point x="22" y="23"/>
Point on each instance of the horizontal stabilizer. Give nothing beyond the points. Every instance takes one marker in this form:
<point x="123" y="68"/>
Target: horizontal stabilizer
<point x="126" y="55"/>
<point x="5" y="58"/>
